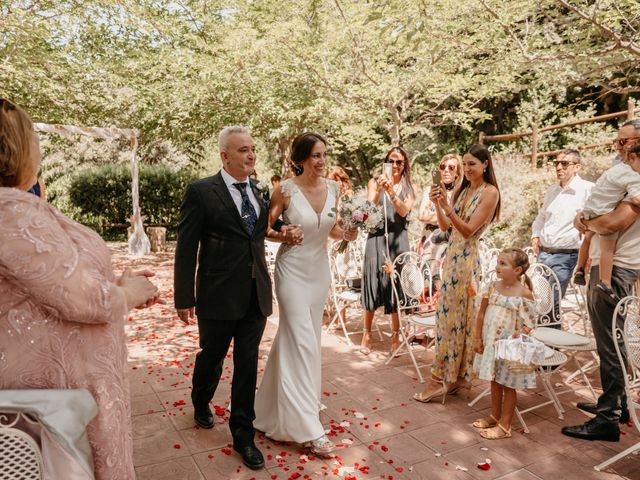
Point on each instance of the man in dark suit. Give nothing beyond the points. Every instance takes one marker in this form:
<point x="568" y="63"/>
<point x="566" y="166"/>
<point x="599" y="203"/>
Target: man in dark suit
<point x="225" y="217"/>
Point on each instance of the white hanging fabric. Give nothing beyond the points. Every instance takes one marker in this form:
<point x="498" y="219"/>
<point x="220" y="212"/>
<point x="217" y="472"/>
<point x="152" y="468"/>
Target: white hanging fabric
<point x="139" y="244"/>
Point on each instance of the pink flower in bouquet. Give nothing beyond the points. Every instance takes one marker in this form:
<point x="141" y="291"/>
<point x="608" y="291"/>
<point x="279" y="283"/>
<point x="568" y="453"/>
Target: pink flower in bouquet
<point x="358" y="216"/>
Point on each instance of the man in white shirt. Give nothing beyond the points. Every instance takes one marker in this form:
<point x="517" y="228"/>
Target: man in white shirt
<point x="554" y="239"/>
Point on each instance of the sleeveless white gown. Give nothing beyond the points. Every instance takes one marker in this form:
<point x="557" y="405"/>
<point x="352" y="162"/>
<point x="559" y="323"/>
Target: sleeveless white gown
<point x="287" y="403"/>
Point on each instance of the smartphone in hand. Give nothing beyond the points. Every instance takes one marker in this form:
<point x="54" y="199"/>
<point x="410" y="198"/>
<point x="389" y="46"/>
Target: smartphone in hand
<point x="436" y="176"/>
<point x="387" y="169"/>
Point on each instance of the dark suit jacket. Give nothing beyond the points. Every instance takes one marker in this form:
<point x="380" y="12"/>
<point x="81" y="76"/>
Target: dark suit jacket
<point x="221" y="289"/>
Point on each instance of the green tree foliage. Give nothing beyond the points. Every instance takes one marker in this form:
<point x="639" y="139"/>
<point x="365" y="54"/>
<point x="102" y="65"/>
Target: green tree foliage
<point x="429" y="75"/>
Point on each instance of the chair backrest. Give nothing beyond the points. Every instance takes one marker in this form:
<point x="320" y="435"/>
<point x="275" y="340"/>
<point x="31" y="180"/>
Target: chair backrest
<point x="20" y="456"/>
<point x="546" y="288"/>
<point x="270" y="253"/>
<point x="410" y="277"/>
<point x="488" y="257"/>
<point x="347" y="264"/>
<point x="626" y="331"/>
<point x="530" y="253"/>
<point x="487" y="279"/>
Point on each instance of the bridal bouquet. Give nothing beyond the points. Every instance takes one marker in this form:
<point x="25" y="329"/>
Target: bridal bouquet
<point x="358" y="212"/>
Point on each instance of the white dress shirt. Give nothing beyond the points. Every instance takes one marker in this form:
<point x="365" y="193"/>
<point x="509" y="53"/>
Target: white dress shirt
<point x="235" y="193"/>
<point x="554" y="223"/>
<point x="618" y="183"/>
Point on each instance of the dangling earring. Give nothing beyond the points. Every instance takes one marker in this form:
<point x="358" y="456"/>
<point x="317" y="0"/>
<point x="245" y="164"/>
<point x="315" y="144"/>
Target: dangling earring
<point x="484" y="171"/>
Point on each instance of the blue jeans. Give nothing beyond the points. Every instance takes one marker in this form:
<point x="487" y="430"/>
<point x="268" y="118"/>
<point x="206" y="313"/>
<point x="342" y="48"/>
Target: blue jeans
<point x="562" y="265"/>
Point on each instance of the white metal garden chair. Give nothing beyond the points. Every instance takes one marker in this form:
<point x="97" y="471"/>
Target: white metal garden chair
<point x="346" y="271"/>
<point x="489" y="259"/>
<point x="53" y="422"/>
<point x="410" y="279"/>
<point x="20" y="455"/>
<point x="551" y="329"/>
<point x="626" y="332"/>
<point x="530" y="254"/>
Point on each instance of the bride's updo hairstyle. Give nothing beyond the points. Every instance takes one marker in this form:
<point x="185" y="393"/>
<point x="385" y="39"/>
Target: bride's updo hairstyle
<point x="301" y="150"/>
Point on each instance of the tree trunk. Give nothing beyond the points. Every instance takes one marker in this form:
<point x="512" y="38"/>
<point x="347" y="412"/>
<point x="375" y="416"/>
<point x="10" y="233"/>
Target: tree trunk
<point x="284" y="150"/>
<point x="157" y="238"/>
<point x="396" y="123"/>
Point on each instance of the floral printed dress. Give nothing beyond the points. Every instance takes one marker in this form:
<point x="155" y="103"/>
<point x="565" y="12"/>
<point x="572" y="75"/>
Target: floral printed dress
<point x="504" y="314"/>
<point x="456" y="313"/>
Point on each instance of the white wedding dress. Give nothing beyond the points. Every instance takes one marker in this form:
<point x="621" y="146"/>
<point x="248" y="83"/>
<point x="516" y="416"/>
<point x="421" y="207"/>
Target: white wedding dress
<point x="288" y="404"/>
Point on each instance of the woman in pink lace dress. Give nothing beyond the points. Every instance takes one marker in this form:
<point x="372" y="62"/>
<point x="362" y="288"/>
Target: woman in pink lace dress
<point x="62" y="310"/>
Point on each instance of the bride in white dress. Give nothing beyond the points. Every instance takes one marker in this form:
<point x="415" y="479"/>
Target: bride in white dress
<point x="287" y="404"/>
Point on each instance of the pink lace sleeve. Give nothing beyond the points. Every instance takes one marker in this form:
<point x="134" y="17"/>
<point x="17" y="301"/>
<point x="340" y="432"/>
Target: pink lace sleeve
<point x="56" y="263"/>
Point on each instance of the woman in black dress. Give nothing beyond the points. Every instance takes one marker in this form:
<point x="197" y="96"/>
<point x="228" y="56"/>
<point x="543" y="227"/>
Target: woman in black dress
<point x="398" y="192"/>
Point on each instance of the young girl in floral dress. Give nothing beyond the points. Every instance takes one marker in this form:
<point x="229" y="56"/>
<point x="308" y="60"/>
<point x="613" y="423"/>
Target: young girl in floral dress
<point x="507" y="308"/>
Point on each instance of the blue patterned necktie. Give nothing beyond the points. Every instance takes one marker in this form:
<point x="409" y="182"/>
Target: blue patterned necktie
<point x="248" y="213"/>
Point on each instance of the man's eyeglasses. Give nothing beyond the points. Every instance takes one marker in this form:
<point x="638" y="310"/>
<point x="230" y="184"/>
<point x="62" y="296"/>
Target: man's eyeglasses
<point x="563" y="163"/>
<point x="621" y="142"/>
<point x="444" y="167"/>
<point x="397" y="163"/>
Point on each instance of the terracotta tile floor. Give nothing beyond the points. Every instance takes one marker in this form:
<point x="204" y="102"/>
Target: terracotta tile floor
<point x="382" y="432"/>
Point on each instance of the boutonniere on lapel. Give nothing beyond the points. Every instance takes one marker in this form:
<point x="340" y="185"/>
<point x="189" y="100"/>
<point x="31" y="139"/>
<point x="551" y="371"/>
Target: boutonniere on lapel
<point x="261" y="191"/>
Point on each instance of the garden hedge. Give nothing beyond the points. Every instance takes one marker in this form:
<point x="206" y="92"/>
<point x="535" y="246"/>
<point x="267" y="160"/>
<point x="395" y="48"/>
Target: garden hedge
<point x="102" y="195"/>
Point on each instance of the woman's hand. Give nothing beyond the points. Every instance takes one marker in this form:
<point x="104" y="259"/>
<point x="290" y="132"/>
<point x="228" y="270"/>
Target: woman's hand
<point x="350" y="235"/>
<point x="434" y="194"/>
<point x="293" y="234"/>
<point x="443" y="200"/>
<point x="138" y="290"/>
<point x="385" y="184"/>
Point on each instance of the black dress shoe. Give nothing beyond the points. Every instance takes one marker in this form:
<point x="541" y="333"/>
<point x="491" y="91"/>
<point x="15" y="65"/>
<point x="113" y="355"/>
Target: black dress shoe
<point x="251" y="457"/>
<point x="593" y="408"/>
<point x="203" y="417"/>
<point x="594" y="429"/>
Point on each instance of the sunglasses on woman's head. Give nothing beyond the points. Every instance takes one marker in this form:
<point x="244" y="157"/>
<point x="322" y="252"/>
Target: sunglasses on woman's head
<point x="444" y="166"/>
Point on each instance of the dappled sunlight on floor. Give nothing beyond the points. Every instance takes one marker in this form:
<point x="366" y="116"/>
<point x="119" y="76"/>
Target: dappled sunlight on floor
<point x="380" y="431"/>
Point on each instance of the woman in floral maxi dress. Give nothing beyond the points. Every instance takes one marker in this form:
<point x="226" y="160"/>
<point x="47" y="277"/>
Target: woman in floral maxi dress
<point x="475" y="205"/>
